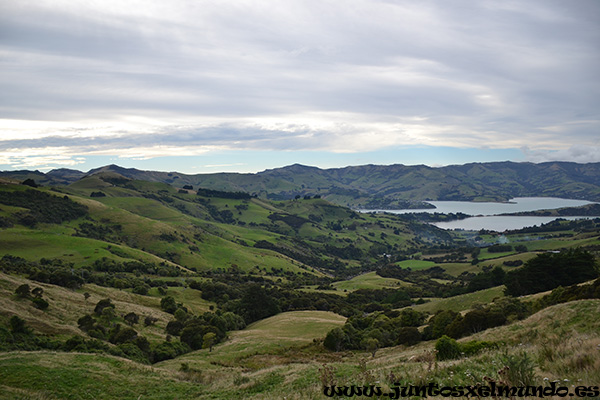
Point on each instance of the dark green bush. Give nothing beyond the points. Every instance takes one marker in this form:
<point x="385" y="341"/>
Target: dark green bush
<point x="447" y="348"/>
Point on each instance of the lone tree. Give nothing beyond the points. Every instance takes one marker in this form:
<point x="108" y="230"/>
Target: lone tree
<point x="131" y="318"/>
<point x="209" y="340"/>
<point x="372" y="345"/>
<point x="23" y="291"/>
<point x="102" y="304"/>
<point x="17" y="325"/>
<point x="168" y="304"/>
<point x="37" y="292"/>
<point x="334" y="339"/>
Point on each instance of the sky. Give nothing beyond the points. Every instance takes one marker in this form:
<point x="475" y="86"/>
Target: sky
<point x="242" y="86"/>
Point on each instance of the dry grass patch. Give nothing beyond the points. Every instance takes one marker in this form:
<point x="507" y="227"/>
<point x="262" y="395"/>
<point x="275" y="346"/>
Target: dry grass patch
<point x="67" y="306"/>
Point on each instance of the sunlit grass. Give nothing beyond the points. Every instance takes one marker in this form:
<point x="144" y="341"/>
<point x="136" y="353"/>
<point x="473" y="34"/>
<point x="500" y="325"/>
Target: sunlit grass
<point x="370" y="280"/>
<point x="462" y="302"/>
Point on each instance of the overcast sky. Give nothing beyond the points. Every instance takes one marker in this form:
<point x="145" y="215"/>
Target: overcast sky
<point x="217" y="85"/>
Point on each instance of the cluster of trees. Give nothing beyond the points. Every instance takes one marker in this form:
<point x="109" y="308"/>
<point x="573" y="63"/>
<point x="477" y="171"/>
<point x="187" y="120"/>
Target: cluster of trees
<point x="308" y="255"/>
<point x="18" y="336"/>
<point x="109" y="337"/>
<point x="223" y="195"/>
<point x="550" y="270"/>
<point x="202" y="331"/>
<point x="544" y="272"/>
<point x="108" y="233"/>
<point x="294" y="221"/>
<point x="448" y="348"/>
<point x="425" y="284"/>
<point x="457" y="325"/>
<point x="571" y="293"/>
<point x="433" y="217"/>
<point x="499" y="248"/>
<point x="560" y="224"/>
<point x="488" y="278"/>
<point x="103" y="272"/>
<point x="254" y="298"/>
<point x="136" y="267"/>
<point x="55" y="272"/>
<point x="42" y="207"/>
<point x="391" y="328"/>
<point x="380" y="329"/>
<point x="105" y="326"/>
<point x="35" y="295"/>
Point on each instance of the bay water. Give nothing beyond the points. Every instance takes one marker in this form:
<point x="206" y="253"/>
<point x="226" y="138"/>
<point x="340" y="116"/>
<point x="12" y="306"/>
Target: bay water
<point x="486" y="214"/>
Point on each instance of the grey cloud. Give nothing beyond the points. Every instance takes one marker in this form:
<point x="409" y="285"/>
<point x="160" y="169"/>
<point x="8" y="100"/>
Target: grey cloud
<point x="222" y="135"/>
<point x="517" y="67"/>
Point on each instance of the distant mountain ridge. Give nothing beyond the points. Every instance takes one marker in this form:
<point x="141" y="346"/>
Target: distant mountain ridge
<point x="376" y="186"/>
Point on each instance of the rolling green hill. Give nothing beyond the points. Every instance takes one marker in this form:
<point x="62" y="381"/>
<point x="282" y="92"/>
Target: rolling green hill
<point x="377" y="186"/>
<point x="127" y="219"/>
<point x="115" y="287"/>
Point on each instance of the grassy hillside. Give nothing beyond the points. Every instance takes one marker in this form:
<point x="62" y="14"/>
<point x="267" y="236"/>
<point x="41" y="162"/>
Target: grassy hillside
<point x="462" y="302"/>
<point x="554" y="344"/>
<point x="371" y="186"/>
<point x="67" y="306"/>
<point x="156" y="222"/>
<point x="273" y="341"/>
<point x="378" y="186"/>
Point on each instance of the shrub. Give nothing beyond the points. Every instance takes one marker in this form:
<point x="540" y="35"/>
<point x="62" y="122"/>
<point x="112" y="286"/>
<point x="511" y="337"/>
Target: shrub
<point x="520" y="370"/>
<point x="40" y="303"/>
<point x="334" y="339"/>
<point x="23" y="291"/>
<point x="86" y="322"/>
<point x="101" y="305"/>
<point x="17" y="325"/>
<point x="409" y="335"/>
<point x="37" y="292"/>
<point x="122" y="335"/>
<point x="141" y="289"/>
<point x="168" y="304"/>
<point x="475" y="346"/>
<point x="447" y="348"/>
<point x="131" y="318"/>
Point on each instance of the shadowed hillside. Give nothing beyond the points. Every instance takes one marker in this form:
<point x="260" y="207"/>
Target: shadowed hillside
<point x="378" y="186"/>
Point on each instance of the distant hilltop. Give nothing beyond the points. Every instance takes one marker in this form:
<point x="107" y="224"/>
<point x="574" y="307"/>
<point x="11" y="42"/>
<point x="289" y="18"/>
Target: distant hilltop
<point x="374" y="186"/>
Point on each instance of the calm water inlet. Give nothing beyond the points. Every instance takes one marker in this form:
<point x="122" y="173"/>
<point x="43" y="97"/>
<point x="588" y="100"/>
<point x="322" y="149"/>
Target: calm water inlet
<point x="486" y="215"/>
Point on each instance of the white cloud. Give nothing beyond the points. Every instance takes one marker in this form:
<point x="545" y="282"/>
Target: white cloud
<point x="577" y="153"/>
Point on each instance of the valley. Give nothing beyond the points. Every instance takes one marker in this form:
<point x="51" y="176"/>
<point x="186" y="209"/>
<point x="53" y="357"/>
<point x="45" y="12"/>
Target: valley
<point x="114" y="286"/>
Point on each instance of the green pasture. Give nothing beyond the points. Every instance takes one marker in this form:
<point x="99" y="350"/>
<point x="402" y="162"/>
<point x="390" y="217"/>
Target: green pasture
<point x="462" y="302"/>
<point x="57" y="242"/>
<point x="370" y="280"/>
<point x="416" y="265"/>
<point x="455" y="269"/>
<point x="47" y="375"/>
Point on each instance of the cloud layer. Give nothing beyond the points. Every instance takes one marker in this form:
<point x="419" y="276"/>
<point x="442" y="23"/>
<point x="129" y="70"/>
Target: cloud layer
<point x="151" y="78"/>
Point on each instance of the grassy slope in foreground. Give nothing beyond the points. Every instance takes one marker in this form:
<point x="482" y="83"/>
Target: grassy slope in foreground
<point x="561" y="342"/>
<point x="269" y="336"/>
